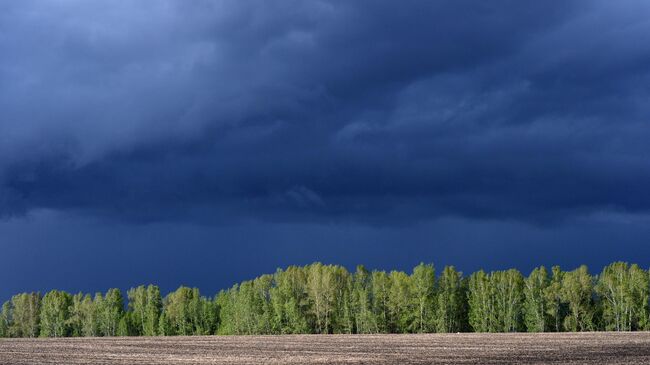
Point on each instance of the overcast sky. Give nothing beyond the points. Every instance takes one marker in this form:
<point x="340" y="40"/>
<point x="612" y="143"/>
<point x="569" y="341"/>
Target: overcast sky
<point x="207" y="142"/>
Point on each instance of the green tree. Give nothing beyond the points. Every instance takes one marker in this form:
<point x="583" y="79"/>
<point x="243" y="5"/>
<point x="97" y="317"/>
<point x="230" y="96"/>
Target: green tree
<point x="152" y="311"/>
<point x="90" y="315"/>
<point x="508" y="296"/>
<point x="424" y="286"/>
<point x="137" y="307"/>
<point x="362" y="301"/>
<point x="25" y="312"/>
<point x="449" y="315"/>
<point x="248" y="308"/>
<point x="381" y="288"/>
<point x="556" y="309"/>
<point x="481" y="302"/>
<point x="321" y="291"/>
<point x="127" y="326"/>
<point x="400" y="302"/>
<point x="55" y="314"/>
<point x="6" y="319"/>
<point x="535" y="308"/>
<point x="577" y="289"/>
<point x="187" y="313"/>
<point x="164" y="325"/>
<point x="289" y="302"/>
<point x="228" y="319"/>
<point x="328" y="299"/>
<point x="75" y="319"/>
<point x="624" y="290"/>
<point x="145" y="305"/>
<point x="342" y="320"/>
<point x="110" y="309"/>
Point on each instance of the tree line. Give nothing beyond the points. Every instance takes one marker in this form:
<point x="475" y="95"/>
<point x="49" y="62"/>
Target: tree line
<point x="326" y="299"/>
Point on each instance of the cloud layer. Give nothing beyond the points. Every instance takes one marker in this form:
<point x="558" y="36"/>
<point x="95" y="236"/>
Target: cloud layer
<point x="371" y="111"/>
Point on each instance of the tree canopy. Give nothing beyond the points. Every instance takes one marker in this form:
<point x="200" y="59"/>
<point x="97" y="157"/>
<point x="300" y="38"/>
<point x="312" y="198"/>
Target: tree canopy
<point x="327" y="299"/>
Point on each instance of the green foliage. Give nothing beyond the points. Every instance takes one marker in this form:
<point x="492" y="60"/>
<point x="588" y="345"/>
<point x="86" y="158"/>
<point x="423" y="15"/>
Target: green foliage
<point x="289" y="302"/>
<point x="508" y="289"/>
<point x="364" y="320"/>
<point x="152" y="310"/>
<point x="321" y="289"/>
<point x="423" y="282"/>
<point x="186" y="313"/>
<point x="495" y="301"/>
<point x="109" y="310"/>
<point x="381" y="289"/>
<point x="75" y="319"/>
<point x="536" y="315"/>
<point x="126" y="326"/>
<point x="400" y="303"/>
<point x="576" y="291"/>
<point x="55" y="315"/>
<point x="327" y="299"/>
<point x="624" y="293"/>
<point x="556" y="309"/>
<point x="90" y="316"/>
<point x="481" y="302"/>
<point x="145" y="305"/>
<point x="22" y="315"/>
<point x="450" y="307"/>
<point x="6" y="319"/>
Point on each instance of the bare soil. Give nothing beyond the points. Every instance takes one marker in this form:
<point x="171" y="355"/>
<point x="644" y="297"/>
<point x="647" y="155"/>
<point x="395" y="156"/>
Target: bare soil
<point x="542" y="348"/>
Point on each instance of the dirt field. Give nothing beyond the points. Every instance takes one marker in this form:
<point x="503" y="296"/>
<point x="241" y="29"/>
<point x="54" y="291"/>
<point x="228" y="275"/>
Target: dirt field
<point x="585" y="348"/>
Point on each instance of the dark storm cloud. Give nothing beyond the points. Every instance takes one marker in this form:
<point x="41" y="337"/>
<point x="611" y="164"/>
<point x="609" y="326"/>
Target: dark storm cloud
<point x="372" y="111"/>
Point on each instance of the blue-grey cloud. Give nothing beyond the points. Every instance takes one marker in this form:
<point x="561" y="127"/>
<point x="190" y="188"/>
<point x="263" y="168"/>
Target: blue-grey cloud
<point x="372" y="111"/>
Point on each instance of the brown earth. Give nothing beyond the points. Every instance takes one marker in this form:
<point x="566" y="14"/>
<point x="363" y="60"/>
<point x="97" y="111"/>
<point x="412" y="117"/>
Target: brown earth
<point x="542" y="348"/>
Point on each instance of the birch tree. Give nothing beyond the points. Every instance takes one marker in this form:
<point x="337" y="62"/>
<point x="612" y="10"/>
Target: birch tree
<point x="536" y="315"/>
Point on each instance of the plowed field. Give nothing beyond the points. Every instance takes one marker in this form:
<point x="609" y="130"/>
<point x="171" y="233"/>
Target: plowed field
<point x="573" y="348"/>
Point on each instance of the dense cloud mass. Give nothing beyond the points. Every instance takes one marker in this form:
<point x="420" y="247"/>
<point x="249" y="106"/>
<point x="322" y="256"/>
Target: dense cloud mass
<point x="377" y="112"/>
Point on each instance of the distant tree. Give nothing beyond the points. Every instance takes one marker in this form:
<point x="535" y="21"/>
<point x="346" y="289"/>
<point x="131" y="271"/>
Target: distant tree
<point x="145" y="305"/>
<point x="345" y="317"/>
<point x="186" y="313"/>
<point x="228" y="319"/>
<point x="362" y="301"/>
<point x="208" y="317"/>
<point x="89" y="313"/>
<point x="423" y="281"/>
<point x="450" y="299"/>
<point x="6" y="319"/>
<point x="248" y="308"/>
<point x="176" y="309"/>
<point x="152" y="311"/>
<point x="556" y="309"/>
<point x="24" y="311"/>
<point x="321" y="291"/>
<point x="481" y="302"/>
<point x="75" y="318"/>
<point x="342" y="320"/>
<point x="55" y="314"/>
<point x="640" y="287"/>
<point x="535" y="309"/>
<point x="290" y="302"/>
<point x="137" y="307"/>
<point x="381" y="288"/>
<point x="624" y="290"/>
<point x="401" y="302"/>
<point x="324" y="299"/>
<point x="577" y="289"/>
<point x="508" y="292"/>
<point x="164" y="325"/>
<point x="261" y="301"/>
<point x="110" y="309"/>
